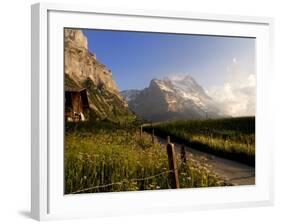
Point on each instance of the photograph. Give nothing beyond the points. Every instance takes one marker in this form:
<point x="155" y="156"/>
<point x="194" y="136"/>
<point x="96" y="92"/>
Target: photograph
<point x="157" y="111"/>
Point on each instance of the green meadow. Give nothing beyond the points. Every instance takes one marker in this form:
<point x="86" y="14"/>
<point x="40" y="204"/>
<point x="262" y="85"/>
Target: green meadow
<point x="231" y="138"/>
<point x="108" y="157"/>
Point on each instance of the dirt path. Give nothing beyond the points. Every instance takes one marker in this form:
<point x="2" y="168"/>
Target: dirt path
<point x="236" y="173"/>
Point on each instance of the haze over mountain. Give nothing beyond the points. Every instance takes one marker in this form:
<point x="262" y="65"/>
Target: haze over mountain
<point x="176" y="97"/>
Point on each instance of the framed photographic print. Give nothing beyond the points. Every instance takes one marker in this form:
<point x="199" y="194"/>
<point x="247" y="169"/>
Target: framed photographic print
<point x="148" y="111"/>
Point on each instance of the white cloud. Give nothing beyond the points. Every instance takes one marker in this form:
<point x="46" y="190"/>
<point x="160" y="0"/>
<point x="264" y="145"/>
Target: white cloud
<point x="237" y="97"/>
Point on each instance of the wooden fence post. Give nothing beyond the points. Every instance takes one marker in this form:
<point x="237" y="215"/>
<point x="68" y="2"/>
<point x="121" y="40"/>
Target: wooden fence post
<point x="141" y="132"/>
<point x="183" y="154"/>
<point x="152" y="135"/>
<point x="174" y="177"/>
<point x="168" y="139"/>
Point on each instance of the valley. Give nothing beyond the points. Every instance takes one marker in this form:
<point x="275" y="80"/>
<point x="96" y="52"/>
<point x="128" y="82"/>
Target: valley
<point x="116" y="140"/>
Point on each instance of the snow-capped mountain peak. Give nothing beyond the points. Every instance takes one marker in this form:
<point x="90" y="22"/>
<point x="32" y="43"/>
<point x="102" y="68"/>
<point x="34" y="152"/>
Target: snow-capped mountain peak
<point x="164" y="85"/>
<point x="173" y="97"/>
<point x="188" y="86"/>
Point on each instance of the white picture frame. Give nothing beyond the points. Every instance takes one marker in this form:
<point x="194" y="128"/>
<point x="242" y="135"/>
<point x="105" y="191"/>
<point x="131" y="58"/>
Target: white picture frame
<point x="47" y="198"/>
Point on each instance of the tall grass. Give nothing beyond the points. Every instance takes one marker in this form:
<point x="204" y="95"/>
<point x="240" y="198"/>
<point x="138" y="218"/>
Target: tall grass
<point x="232" y="138"/>
<point x="102" y="156"/>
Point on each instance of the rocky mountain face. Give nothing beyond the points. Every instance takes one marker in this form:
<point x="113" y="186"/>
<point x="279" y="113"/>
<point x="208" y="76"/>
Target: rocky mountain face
<point x="80" y="64"/>
<point x="171" y="98"/>
<point x="130" y="95"/>
<point x="83" y="70"/>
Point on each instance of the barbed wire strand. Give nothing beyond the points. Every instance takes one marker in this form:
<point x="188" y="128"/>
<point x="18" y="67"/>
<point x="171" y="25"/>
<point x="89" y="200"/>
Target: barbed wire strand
<point x="123" y="181"/>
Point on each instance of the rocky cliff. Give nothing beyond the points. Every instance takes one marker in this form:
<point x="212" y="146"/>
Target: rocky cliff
<point x="80" y="64"/>
<point x="83" y="70"/>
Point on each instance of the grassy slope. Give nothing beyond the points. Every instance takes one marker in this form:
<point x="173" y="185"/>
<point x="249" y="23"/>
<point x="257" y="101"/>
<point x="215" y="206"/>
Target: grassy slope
<point x="108" y="105"/>
<point x="232" y="138"/>
<point x="103" y="153"/>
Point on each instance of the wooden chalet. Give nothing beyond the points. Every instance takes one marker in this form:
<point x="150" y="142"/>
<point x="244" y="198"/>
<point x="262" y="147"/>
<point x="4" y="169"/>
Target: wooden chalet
<point x="76" y="104"/>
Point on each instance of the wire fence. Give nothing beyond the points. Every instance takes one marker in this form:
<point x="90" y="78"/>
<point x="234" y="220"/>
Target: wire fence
<point x="123" y="181"/>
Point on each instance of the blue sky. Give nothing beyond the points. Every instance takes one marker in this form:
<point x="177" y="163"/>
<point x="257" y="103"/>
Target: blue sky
<point x="136" y="57"/>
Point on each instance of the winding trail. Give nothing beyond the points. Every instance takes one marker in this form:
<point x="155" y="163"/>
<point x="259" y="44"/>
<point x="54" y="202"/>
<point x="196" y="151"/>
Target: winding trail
<point x="234" y="172"/>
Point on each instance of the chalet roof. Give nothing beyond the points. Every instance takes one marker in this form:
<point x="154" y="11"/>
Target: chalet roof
<point x="73" y="89"/>
<point x="82" y="91"/>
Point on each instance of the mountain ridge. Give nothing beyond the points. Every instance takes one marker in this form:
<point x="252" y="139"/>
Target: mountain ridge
<point x="172" y="98"/>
